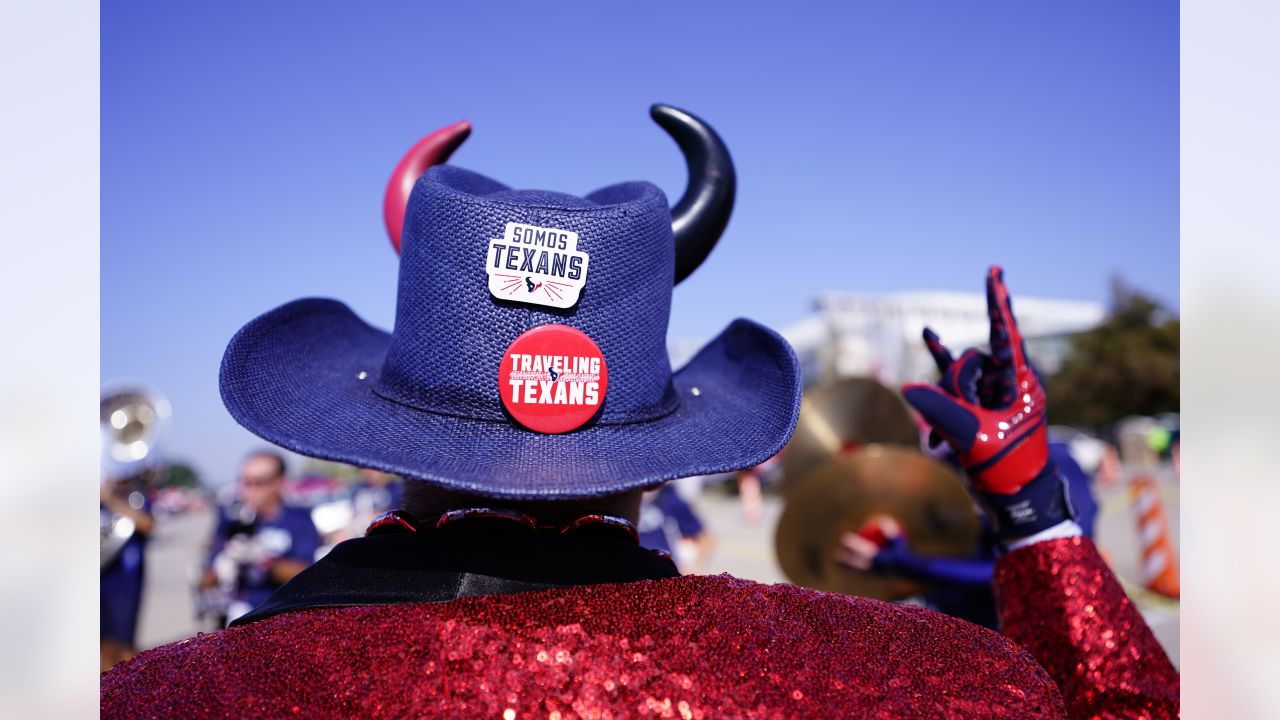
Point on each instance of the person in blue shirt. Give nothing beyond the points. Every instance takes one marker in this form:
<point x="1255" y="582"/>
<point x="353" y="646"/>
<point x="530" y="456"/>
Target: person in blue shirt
<point x="260" y="543"/>
<point x="960" y="586"/>
<point x="120" y="590"/>
<point x="665" y="520"/>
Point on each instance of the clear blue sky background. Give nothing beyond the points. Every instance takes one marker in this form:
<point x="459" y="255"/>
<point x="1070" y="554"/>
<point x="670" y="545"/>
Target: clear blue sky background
<point x="880" y="147"/>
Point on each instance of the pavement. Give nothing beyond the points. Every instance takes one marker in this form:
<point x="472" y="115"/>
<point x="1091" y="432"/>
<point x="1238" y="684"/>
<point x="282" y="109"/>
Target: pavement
<point x="175" y="554"/>
<point x="742" y="549"/>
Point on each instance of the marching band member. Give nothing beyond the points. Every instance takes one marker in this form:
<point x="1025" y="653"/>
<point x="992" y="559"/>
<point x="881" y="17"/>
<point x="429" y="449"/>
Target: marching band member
<point x="669" y="524"/>
<point x="122" y="578"/>
<point x="526" y="395"/>
<point x="260" y="543"/>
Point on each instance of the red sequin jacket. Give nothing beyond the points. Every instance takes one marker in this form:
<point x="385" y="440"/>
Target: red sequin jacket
<point x="688" y="647"/>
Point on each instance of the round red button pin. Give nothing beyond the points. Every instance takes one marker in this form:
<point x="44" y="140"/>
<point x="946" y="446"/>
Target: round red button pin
<point x="553" y="379"/>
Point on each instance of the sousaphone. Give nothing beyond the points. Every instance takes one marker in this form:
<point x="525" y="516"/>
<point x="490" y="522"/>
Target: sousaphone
<point x="130" y="420"/>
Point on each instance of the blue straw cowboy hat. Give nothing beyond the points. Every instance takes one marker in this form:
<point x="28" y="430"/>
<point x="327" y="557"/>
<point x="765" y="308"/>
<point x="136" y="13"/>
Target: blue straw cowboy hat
<point x="432" y="399"/>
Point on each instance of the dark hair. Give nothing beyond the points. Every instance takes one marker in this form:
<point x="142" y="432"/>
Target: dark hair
<point x="281" y="467"/>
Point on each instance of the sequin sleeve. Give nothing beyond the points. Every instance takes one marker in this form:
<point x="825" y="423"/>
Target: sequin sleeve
<point x="1059" y="600"/>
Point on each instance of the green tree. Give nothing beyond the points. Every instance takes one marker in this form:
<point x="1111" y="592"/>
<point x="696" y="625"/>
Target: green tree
<point x="180" y="474"/>
<point x="1128" y="365"/>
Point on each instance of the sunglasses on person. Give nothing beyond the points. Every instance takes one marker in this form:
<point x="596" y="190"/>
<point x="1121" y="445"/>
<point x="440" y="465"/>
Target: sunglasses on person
<point x="259" y="480"/>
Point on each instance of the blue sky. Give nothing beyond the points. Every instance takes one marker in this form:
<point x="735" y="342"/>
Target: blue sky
<point x="880" y="147"/>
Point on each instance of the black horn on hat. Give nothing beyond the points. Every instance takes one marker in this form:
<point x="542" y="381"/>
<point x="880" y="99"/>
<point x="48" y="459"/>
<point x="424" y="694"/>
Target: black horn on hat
<point x="697" y="221"/>
<point x="700" y="217"/>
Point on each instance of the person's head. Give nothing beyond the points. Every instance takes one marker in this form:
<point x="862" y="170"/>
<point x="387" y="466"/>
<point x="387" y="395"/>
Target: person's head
<point x="262" y="480"/>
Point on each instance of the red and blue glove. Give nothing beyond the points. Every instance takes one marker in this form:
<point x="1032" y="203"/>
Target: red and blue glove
<point x="991" y="409"/>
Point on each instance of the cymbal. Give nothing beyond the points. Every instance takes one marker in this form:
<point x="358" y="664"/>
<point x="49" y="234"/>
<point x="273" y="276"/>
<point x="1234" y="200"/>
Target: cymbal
<point x="846" y="414"/>
<point x="925" y="496"/>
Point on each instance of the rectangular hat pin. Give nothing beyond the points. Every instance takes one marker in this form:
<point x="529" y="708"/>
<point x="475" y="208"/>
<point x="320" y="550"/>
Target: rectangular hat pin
<point x="536" y="265"/>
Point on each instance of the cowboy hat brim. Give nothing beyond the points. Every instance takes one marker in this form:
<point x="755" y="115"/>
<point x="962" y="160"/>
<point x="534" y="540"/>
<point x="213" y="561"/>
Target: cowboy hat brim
<point x="303" y="376"/>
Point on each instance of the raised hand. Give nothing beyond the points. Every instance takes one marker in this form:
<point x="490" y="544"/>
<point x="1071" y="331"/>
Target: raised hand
<point x="873" y="546"/>
<point x="991" y="409"/>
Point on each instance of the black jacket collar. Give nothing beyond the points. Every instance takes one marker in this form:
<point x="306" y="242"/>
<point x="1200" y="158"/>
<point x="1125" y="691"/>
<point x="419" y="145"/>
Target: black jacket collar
<point x="476" y="558"/>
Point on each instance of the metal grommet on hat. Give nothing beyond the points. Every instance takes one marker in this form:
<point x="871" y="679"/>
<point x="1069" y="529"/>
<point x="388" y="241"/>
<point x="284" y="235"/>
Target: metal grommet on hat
<point x="553" y="379"/>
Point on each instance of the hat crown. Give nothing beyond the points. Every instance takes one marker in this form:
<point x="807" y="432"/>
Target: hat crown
<point x="451" y="332"/>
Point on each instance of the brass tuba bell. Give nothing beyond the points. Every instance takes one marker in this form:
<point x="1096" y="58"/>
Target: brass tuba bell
<point x="130" y="420"/>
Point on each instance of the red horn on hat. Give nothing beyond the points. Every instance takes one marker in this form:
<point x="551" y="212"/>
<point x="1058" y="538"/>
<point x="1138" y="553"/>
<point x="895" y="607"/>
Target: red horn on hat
<point x="700" y="217"/>
<point x="430" y="150"/>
